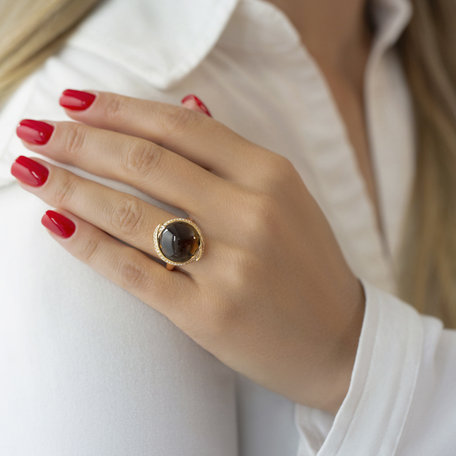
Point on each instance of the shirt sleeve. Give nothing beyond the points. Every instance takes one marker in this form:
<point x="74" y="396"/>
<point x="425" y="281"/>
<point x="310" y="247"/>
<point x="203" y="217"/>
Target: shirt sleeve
<point x="402" y="396"/>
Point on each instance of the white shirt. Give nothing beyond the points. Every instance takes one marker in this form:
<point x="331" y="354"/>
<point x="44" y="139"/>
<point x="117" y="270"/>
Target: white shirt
<point x="112" y="376"/>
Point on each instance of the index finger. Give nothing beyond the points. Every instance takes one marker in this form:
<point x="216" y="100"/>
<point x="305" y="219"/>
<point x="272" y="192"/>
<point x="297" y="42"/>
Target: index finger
<point x="191" y="134"/>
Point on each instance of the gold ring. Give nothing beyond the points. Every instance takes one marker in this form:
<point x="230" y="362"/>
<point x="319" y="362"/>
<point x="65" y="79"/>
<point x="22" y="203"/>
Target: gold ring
<point x="178" y="241"/>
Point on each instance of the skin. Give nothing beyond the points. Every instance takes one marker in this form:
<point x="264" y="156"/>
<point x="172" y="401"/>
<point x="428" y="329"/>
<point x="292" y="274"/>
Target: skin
<point x="277" y="304"/>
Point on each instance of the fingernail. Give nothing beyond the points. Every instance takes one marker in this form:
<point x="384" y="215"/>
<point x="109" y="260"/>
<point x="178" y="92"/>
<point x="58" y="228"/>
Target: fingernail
<point x="200" y="104"/>
<point x="76" y="99"/>
<point x="29" y="171"/>
<point x="58" y="224"/>
<point x="34" y="131"/>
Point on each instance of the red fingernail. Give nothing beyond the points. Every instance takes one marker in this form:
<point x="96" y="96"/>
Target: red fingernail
<point x="34" y="131"/>
<point x="58" y="224"/>
<point x="76" y="100"/>
<point x="200" y="104"/>
<point x="29" y="171"/>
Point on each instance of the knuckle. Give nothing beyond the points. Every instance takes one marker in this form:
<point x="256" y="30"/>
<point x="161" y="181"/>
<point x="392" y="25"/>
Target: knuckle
<point x="174" y="120"/>
<point x="132" y="275"/>
<point x="261" y="223"/>
<point x="65" y="190"/>
<point x="141" y="158"/>
<point x="127" y="215"/>
<point x="114" y="108"/>
<point x="284" y="166"/>
<point x="276" y="172"/>
<point x="222" y="315"/>
<point x="224" y="305"/>
<point x="74" y="139"/>
<point x="262" y="213"/>
<point x="278" y="164"/>
<point x="239" y="271"/>
<point x="89" y="250"/>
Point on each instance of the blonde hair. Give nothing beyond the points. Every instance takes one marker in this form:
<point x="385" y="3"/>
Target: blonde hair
<point x="30" y="31"/>
<point x="428" y="275"/>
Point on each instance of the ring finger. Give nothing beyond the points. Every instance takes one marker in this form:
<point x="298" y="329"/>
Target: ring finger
<point x="121" y="215"/>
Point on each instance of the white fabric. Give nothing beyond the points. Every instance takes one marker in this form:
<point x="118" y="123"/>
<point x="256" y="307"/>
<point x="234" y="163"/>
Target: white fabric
<point x="87" y="369"/>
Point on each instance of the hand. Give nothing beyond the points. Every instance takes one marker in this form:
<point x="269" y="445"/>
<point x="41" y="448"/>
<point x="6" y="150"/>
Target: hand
<point x="272" y="296"/>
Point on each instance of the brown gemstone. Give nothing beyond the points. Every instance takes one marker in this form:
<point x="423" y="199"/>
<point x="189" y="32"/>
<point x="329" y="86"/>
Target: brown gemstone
<point x="179" y="241"/>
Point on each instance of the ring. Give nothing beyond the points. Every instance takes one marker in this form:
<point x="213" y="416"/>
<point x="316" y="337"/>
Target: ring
<point x="178" y="241"/>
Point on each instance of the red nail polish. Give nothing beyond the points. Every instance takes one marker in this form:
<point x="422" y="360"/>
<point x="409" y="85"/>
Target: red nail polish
<point x="58" y="224"/>
<point x="200" y="104"/>
<point x="76" y="99"/>
<point x="29" y="171"/>
<point x="34" y="131"/>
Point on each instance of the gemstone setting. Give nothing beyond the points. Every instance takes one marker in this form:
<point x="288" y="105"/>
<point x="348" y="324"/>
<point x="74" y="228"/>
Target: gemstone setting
<point x="178" y="241"/>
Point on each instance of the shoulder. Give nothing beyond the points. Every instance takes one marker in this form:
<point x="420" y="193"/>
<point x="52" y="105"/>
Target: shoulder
<point x="140" y="48"/>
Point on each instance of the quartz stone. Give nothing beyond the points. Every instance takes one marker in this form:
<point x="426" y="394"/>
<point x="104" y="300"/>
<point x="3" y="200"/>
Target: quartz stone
<point x="179" y="241"/>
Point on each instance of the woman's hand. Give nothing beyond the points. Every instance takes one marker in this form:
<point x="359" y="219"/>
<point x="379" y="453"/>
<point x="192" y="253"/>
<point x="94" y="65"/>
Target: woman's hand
<point x="271" y="297"/>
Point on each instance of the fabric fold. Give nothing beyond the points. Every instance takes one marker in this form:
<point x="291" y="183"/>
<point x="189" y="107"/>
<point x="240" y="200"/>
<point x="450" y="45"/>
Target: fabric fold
<point x="375" y="409"/>
<point x="158" y="41"/>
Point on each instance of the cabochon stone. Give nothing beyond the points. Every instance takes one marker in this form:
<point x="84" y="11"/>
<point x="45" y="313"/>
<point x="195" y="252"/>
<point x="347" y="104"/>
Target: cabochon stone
<point x="179" y="241"/>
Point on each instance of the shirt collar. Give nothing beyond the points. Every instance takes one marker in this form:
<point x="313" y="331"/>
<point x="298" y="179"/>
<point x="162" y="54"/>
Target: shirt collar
<point x="390" y="18"/>
<point x="160" y="41"/>
<point x="165" y="40"/>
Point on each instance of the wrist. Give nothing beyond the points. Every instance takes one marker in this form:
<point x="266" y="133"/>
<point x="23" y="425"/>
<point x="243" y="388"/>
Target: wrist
<point x="344" y="355"/>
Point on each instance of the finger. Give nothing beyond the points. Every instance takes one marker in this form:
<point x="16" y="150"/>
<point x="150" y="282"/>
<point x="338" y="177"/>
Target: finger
<point x="167" y="292"/>
<point x="197" y="137"/>
<point x="156" y="171"/>
<point x="122" y="215"/>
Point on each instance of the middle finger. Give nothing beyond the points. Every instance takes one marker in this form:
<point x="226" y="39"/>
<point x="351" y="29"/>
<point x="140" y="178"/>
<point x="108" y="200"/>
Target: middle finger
<point x="124" y="216"/>
<point x="159" y="172"/>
